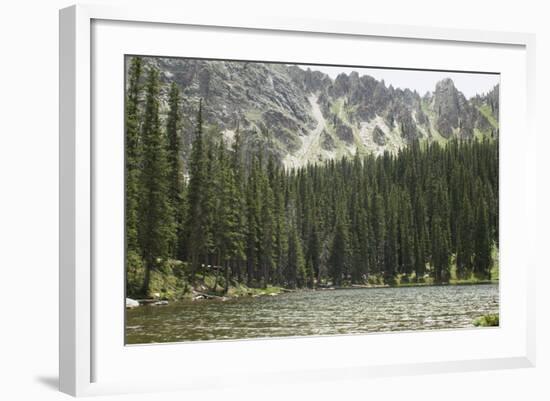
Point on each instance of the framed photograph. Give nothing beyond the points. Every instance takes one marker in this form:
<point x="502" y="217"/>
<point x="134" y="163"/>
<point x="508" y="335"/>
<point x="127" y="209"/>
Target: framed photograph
<point x="300" y="200"/>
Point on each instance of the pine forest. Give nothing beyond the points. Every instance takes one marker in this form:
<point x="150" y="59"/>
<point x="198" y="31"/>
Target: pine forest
<point x="226" y="215"/>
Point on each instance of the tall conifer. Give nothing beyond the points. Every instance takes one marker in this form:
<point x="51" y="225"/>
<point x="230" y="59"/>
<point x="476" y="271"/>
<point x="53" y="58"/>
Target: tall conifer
<point x="157" y="226"/>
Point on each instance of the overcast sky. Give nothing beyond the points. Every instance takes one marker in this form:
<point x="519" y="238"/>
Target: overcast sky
<point x="469" y="84"/>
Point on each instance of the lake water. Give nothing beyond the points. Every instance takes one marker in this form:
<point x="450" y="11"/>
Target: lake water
<point x="304" y="313"/>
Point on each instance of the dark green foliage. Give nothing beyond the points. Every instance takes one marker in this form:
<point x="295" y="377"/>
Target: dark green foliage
<point x="133" y="154"/>
<point x="238" y="206"/>
<point x="406" y="235"/>
<point x="296" y="274"/>
<point x="482" y="257"/>
<point x="227" y="225"/>
<point x="157" y="229"/>
<point x="440" y="234"/>
<point x="176" y="183"/>
<point x="281" y="230"/>
<point x="391" y="243"/>
<point x="253" y="258"/>
<point x="198" y="241"/>
<point x="378" y="221"/>
<point x="339" y="254"/>
<point x="135" y="274"/>
<point x="313" y="259"/>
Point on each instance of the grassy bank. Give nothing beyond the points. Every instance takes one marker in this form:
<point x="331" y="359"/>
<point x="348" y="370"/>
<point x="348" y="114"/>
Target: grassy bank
<point x="403" y="280"/>
<point x="171" y="282"/>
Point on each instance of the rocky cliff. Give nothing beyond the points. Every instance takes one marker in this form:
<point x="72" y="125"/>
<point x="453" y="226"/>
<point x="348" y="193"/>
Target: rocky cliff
<point x="301" y="116"/>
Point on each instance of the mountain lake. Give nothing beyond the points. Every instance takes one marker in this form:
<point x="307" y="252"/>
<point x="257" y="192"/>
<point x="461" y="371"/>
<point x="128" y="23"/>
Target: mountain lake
<point x="314" y="313"/>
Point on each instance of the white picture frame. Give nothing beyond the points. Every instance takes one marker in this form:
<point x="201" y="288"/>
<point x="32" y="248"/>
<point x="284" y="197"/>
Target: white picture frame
<point x="82" y="345"/>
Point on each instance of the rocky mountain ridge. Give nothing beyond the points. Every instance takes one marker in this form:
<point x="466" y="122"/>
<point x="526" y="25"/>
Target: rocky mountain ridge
<point x="300" y="115"/>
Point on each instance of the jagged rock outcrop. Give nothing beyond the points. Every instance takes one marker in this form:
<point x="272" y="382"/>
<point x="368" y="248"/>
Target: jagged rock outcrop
<point x="448" y="104"/>
<point x="327" y="142"/>
<point x="455" y="115"/>
<point x="378" y="136"/>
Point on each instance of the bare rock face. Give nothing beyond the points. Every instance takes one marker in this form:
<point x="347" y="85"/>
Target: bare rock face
<point x="378" y="136"/>
<point x="327" y="142"/>
<point x="271" y="105"/>
<point x="342" y="130"/>
<point x="341" y="86"/>
<point x="457" y="116"/>
<point x="447" y="104"/>
<point x="408" y="127"/>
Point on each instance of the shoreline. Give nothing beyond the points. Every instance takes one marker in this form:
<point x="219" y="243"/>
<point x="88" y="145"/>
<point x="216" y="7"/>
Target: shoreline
<point x="404" y="285"/>
<point x="198" y="296"/>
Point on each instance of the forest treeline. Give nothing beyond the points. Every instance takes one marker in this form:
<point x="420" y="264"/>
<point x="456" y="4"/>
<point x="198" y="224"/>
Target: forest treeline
<point x="410" y="215"/>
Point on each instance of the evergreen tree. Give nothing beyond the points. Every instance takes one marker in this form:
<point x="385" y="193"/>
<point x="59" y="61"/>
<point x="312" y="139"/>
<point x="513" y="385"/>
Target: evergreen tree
<point x="211" y="200"/>
<point x="420" y="237"/>
<point x="406" y="237"/>
<point x="238" y="203"/>
<point x="482" y="257"/>
<point x="465" y="231"/>
<point x="379" y="224"/>
<point x="197" y="222"/>
<point x="234" y="236"/>
<point x="391" y="240"/>
<point x="313" y="262"/>
<point x="227" y="231"/>
<point x="296" y="265"/>
<point x="281" y="230"/>
<point x="133" y="154"/>
<point x="339" y="257"/>
<point x="157" y="227"/>
<point x="267" y="223"/>
<point x="440" y="238"/>
<point x="175" y="173"/>
<point x="253" y="221"/>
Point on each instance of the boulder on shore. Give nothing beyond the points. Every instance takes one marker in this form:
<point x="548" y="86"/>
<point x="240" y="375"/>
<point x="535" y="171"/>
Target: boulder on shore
<point x="131" y="303"/>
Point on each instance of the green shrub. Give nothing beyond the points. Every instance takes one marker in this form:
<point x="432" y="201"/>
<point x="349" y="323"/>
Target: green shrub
<point x="168" y="281"/>
<point x="135" y="273"/>
<point x="487" y="321"/>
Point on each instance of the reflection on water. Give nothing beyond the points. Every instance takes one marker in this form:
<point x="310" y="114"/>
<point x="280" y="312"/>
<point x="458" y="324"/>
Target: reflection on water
<point x="303" y="313"/>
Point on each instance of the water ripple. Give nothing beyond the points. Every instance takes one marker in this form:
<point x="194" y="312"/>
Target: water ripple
<point x="302" y="313"/>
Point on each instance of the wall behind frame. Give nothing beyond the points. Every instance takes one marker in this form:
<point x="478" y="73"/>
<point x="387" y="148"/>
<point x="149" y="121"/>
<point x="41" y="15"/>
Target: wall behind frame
<point x="29" y="216"/>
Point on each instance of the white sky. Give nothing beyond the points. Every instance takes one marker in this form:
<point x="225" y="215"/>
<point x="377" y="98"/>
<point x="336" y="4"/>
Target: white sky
<point x="469" y="84"/>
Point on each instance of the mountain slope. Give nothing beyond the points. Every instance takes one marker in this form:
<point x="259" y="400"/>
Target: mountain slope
<point x="303" y="116"/>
